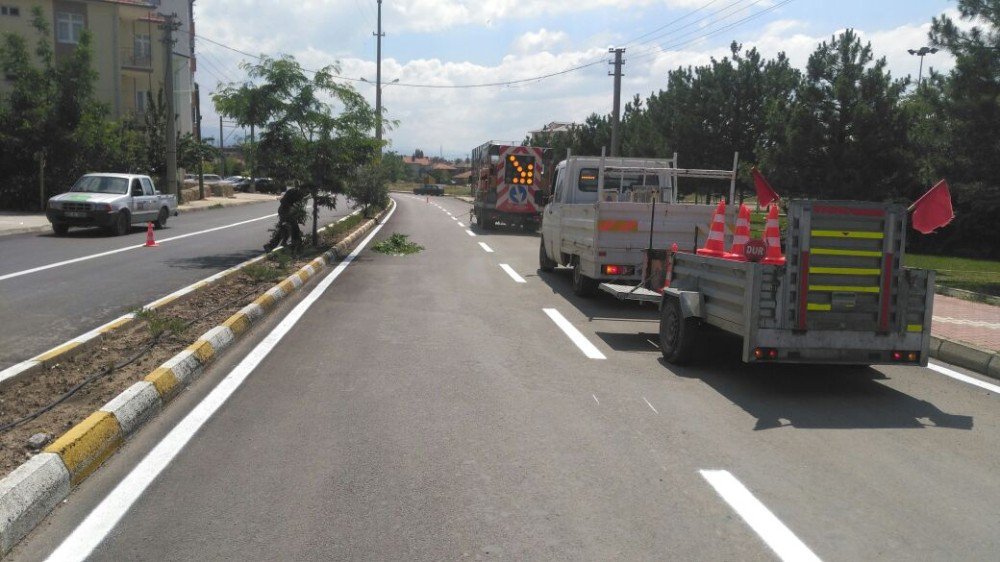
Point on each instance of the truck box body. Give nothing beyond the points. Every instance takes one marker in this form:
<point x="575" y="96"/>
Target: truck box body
<point x="842" y="296"/>
<point x="510" y="184"/>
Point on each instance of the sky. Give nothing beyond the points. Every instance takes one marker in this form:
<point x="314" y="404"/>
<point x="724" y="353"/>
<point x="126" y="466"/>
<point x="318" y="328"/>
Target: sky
<point x="435" y="50"/>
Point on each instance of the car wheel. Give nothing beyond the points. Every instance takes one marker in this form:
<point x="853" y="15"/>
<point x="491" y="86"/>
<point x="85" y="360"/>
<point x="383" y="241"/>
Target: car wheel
<point x="678" y="335"/>
<point x="583" y="286"/>
<point x="123" y="224"/>
<point x="544" y="263"/>
<point x="60" y="229"/>
<point x="161" y="219"/>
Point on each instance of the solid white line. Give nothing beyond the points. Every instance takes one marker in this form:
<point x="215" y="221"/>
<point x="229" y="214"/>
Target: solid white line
<point x="461" y="224"/>
<point x="125" y="249"/>
<point x="469" y="232"/>
<point x="653" y="343"/>
<point x="782" y="541"/>
<point x="964" y="378"/>
<point x="513" y="274"/>
<point x="574" y="335"/>
<point x="103" y="519"/>
<point x="596" y="400"/>
<point x="650" y="405"/>
<point x="487" y="248"/>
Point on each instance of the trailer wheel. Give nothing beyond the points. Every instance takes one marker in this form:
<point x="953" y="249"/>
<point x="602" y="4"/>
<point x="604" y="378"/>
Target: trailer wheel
<point x="678" y="335"/>
<point x="583" y="286"/>
<point x="544" y="263"/>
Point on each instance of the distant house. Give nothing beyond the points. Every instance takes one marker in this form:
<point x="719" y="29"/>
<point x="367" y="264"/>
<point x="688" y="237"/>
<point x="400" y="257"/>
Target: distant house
<point x="554" y="127"/>
<point x="417" y="167"/>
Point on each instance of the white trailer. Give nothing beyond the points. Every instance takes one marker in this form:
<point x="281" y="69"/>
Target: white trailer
<point x="605" y="212"/>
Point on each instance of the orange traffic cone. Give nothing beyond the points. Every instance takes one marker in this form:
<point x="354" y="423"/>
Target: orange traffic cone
<point x="715" y="245"/>
<point x="772" y="237"/>
<point x="150" y="241"/>
<point x="738" y="251"/>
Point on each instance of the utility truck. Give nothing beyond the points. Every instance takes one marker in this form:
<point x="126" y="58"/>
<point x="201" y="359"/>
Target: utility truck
<point x="112" y="201"/>
<point x="605" y="213"/>
<point x="510" y="184"/>
<point x="841" y="296"/>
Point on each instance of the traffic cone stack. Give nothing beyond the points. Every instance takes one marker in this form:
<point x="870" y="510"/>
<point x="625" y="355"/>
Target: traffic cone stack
<point x="772" y="237"/>
<point x="715" y="245"/>
<point x="738" y="252"/>
<point x="150" y="241"/>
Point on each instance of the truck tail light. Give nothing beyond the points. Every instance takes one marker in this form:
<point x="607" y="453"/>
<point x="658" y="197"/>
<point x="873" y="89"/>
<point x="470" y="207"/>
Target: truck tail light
<point x="907" y="356"/>
<point x="611" y="269"/>
<point x="765" y="353"/>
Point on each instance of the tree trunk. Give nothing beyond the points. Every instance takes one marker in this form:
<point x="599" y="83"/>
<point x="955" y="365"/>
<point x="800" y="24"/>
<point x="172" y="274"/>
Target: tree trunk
<point x="315" y="229"/>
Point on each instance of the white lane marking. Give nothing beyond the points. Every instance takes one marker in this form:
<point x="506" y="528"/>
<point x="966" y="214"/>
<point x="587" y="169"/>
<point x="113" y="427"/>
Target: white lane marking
<point x="103" y="519"/>
<point x="964" y="378"/>
<point x="650" y="405"/>
<point x="574" y="335"/>
<point x="454" y="218"/>
<point x="596" y="400"/>
<point x="125" y="249"/>
<point x="513" y="274"/>
<point x="653" y="343"/>
<point x="782" y="541"/>
<point x="449" y="213"/>
<point x="469" y="232"/>
<point x="460" y="223"/>
<point x="487" y="248"/>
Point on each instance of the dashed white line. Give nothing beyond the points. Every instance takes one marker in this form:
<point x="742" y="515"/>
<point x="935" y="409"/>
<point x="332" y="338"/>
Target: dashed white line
<point x="127" y="248"/>
<point x="650" y="405"/>
<point x="574" y="335"/>
<point x="782" y="541"/>
<point x="454" y="218"/>
<point x="460" y="223"/>
<point x="486" y="248"/>
<point x="596" y="400"/>
<point x="513" y="274"/>
<point x="964" y="378"/>
<point x="469" y="232"/>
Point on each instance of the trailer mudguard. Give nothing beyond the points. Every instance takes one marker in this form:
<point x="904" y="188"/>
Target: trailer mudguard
<point x="692" y="302"/>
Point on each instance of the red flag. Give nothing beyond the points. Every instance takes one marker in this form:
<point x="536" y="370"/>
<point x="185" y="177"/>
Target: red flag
<point x="933" y="209"/>
<point x="764" y="192"/>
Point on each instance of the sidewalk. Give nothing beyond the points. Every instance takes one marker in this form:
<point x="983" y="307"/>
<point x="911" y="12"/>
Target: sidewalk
<point x="20" y="223"/>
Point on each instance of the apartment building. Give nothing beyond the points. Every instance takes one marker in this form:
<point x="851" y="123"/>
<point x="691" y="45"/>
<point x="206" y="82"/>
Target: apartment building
<point x="127" y="43"/>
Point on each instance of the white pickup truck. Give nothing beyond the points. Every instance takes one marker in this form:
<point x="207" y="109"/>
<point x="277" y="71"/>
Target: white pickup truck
<point x="112" y="201"/>
<point x="605" y="212"/>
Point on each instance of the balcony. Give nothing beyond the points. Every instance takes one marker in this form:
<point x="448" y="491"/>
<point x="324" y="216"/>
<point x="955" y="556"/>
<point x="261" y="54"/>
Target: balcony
<point x="135" y="59"/>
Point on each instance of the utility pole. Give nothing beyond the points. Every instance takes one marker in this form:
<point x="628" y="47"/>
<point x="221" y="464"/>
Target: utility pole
<point x="197" y="138"/>
<point x="222" y="149"/>
<point x="169" y="27"/>
<point x="616" y="110"/>
<point x="378" y="78"/>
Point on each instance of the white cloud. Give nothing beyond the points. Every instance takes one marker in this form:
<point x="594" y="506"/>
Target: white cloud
<point x="541" y="40"/>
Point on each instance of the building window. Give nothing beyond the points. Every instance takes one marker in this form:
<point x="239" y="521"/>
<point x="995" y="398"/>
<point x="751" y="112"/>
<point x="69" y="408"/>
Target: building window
<point x="140" y="101"/>
<point x="142" y="50"/>
<point x="68" y="27"/>
<point x="10" y="11"/>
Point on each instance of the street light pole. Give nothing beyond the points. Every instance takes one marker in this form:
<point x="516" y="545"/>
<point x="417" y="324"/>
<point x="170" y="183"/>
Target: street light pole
<point x="921" y="52"/>
<point x="378" y="78"/>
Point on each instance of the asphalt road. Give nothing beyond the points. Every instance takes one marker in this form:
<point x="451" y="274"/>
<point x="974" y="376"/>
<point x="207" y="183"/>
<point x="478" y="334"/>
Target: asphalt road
<point x="428" y="407"/>
<point x="42" y="309"/>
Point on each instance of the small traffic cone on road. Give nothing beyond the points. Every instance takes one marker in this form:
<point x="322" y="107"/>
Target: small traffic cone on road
<point x="150" y="241"/>
<point x="772" y="237"/>
<point x="738" y="251"/>
<point x="715" y="245"/>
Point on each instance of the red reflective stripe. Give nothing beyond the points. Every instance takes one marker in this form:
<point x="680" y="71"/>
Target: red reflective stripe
<point x="883" y="320"/>
<point x="803" y="289"/>
<point x="830" y="210"/>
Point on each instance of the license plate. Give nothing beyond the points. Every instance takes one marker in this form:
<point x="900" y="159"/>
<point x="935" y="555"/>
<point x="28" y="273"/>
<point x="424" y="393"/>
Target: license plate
<point x="76" y="214"/>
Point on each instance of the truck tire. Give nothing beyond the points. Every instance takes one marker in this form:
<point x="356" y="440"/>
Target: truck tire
<point x="678" y="335"/>
<point x="123" y="224"/>
<point x="583" y="286"/>
<point x="161" y="219"/>
<point x="544" y="263"/>
<point x="60" y="229"/>
<point x="484" y="220"/>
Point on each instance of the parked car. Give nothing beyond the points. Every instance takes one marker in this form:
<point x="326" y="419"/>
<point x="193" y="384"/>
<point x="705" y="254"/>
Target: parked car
<point x="112" y="201"/>
<point x="240" y="183"/>
<point x="210" y="178"/>
<point x="428" y="189"/>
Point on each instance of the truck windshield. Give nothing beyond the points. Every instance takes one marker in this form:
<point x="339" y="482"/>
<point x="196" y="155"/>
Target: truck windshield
<point x="101" y="184"/>
<point x="616" y="182"/>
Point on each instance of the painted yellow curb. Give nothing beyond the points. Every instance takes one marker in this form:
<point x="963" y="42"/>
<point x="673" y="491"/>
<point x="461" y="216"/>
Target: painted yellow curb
<point x="84" y="447"/>
<point x="264" y="301"/>
<point x="46" y="357"/>
<point x="164" y="380"/>
<point x="238" y="323"/>
<point x="203" y="350"/>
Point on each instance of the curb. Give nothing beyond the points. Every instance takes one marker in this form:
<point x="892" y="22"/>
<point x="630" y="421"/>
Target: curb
<point x="967" y="295"/>
<point x="968" y="356"/>
<point x="33" y="489"/>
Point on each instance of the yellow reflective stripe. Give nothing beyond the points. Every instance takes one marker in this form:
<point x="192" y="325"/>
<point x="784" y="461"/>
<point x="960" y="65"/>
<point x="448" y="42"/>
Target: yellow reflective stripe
<point x="819" y="307"/>
<point x="844" y="288"/>
<point x="914" y="327"/>
<point x="845" y="270"/>
<point x="853" y="253"/>
<point x="847" y="234"/>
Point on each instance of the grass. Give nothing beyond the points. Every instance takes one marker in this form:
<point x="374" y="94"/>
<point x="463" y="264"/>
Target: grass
<point x="397" y="245"/>
<point x="159" y="324"/>
<point x="979" y="276"/>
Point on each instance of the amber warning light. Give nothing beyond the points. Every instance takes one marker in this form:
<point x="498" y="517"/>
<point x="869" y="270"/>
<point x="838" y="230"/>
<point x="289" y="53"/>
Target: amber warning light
<point x="520" y="169"/>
